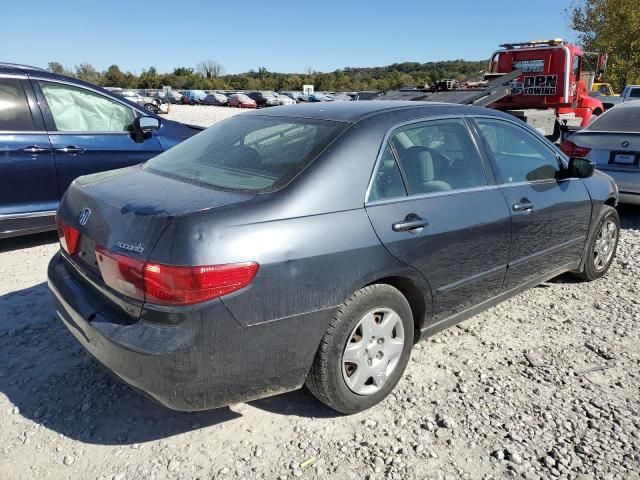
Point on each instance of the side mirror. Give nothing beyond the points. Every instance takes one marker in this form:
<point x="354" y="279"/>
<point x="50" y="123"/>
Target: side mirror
<point x="146" y="124"/>
<point x="580" y="168"/>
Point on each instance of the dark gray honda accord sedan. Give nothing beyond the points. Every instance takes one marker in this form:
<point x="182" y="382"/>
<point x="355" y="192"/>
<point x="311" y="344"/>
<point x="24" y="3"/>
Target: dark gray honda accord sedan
<point x="315" y="244"/>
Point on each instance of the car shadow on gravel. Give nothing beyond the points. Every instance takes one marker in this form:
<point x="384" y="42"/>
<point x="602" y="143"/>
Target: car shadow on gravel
<point x="629" y="216"/>
<point x="49" y="379"/>
<point x="27" y="241"/>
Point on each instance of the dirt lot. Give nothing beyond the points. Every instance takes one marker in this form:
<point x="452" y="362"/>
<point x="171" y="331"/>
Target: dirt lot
<point x="544" y="385"/>
<point x="204" y="115"/>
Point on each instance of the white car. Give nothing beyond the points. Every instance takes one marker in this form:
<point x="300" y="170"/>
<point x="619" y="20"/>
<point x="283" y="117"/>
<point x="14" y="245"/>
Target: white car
<point x="612" y="141"/>
<point x="284" y="100"/>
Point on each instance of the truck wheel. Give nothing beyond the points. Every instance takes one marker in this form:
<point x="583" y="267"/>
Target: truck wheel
<point x="601" y="246"/>
<point x="364" y="351"/>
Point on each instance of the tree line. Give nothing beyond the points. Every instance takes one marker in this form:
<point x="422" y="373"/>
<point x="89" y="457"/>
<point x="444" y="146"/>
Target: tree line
<point x="209" y="75"/>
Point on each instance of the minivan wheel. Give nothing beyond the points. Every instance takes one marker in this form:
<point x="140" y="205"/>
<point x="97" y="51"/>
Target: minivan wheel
<point x="364" y="350"/>
<point x="602" y="245"/>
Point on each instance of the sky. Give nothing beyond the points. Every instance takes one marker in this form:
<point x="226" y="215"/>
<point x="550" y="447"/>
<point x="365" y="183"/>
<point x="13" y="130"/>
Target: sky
<point x="282" y="36"/>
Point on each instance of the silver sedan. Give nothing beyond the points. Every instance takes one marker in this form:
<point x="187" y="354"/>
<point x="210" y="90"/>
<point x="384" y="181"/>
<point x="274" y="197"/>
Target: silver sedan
<point x="612" y="141"/>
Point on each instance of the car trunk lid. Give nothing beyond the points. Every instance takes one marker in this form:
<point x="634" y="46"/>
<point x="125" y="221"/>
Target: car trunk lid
<point x="126" y="211"/>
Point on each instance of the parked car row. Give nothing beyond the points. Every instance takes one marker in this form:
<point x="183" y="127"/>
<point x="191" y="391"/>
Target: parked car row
<point x="263" y="98"/>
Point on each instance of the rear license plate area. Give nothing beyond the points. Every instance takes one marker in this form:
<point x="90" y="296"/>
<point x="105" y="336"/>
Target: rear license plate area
<point x="624" y="159"/>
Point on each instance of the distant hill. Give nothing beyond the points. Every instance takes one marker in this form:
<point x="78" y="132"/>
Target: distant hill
<point x="405" y="74"/>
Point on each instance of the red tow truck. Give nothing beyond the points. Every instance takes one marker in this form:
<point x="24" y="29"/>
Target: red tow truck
<point x="549" y="93"/>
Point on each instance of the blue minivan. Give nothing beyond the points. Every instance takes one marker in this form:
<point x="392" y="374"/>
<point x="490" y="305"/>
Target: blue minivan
<point x="55" y="128"/>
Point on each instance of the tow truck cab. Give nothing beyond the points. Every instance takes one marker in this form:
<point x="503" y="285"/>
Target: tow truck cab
<point x="549" y="94"/>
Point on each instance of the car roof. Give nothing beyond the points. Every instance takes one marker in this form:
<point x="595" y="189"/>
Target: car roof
<point x="354" y="111"/>
<point x="39" y="73"/>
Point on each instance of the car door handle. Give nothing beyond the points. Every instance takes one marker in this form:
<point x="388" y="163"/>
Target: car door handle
<point x="69" y="149"/>
<point x="410" y="222"/>
<point x="523" y="206"/>
<point x="32" y="149"/>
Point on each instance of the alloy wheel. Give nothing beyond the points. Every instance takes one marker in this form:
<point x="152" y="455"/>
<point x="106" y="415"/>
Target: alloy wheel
<point x="605" y="244"/>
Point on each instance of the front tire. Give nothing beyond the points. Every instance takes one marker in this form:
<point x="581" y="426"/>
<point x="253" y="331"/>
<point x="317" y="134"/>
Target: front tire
<point x="601" y="246"/>
<point x="364" y="351"/>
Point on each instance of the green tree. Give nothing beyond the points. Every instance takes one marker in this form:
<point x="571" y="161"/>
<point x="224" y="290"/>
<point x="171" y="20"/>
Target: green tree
<point x="611" y="27"/>
<point x="86" y="72"/>
<point x="113" y="77"/>
<point x="58" y="68"/>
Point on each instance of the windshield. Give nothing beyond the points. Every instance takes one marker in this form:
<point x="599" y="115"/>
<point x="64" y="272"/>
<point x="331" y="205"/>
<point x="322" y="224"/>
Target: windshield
<point x="622" y="119"/>
<point x="248" y="153"/>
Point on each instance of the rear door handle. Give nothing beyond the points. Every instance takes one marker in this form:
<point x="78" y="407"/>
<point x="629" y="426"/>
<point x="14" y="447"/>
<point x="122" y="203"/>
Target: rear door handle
<point x="523" y="206"/>
<point x="410" y="222"/>
<point x="69" y="149"/>
<point x="33" y="149"/>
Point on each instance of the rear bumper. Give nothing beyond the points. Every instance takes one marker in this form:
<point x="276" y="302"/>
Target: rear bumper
<point x="628" y="184"/>
<point x="202" y="358"/>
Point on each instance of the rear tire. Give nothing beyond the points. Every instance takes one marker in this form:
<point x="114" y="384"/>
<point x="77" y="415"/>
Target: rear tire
<point x="364" y="351"/>
<point x="601" y="246"/>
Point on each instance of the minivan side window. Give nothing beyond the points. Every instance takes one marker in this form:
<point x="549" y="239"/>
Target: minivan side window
<point x="518" y="155"/>
<point x="79" y="110"/>
<point x="15" y="115"/>
<point x="387" y="180"/>
<point x="437" y="156"/>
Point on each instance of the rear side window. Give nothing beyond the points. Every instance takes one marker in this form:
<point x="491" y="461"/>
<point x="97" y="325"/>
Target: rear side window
<point x="15" y="115"/>
<point x="620" y="119"/>
<point x="247" y="152"/>
<point x="79" y="110"/>
<point x="437" y="156"/>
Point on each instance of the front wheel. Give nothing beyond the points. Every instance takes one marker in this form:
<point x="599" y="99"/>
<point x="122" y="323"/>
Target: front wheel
<point x="364" y="351"/>
<point x="602" y="244"/>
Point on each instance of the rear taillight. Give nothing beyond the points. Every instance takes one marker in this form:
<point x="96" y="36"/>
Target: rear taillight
<point x="122" y="273"/>
<point x="169" y="284"/>
<point x="68" y="235"/>
<point x="573" y="150"/>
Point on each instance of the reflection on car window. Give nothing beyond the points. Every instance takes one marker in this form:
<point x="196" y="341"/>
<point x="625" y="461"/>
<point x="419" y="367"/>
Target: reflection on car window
<point x="619" y="119"/>
<point x="79" y="110"/>
<point x="518" y="154"/>
<point x="15" y="115"/>
<point x="248" y="153"/>
<point x="438" y="156"/>
<point x="387" y="181"/>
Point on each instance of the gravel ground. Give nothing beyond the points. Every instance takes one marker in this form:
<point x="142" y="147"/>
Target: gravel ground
<point x="203" y="115"/>
<point x="544" y="385"/>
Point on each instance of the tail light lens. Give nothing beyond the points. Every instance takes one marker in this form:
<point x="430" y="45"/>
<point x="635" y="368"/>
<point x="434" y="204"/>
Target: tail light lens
<point x="68" y="236"/>
<point x="169" y="284"/>
<point x="123" y="274"/>
<point x="573" y="150"/>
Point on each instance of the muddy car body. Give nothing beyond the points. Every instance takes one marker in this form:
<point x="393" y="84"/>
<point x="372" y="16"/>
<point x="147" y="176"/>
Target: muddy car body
<point x="333" y="236"/>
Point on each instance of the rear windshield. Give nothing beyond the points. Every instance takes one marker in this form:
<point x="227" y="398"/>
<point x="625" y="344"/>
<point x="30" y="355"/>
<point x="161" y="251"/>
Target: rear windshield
<point x="623" y="119"/>
<point x="248" y="152"/>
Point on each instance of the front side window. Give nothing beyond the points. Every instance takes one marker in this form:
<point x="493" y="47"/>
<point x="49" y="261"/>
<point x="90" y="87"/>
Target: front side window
<point x="78" y="110"/>
<point x="248" y="153"/>
<point x="15" y="115"/>
<point x="519" y="155"/>
<point x="437" y="156"/>
<point x="387" y="180"/>
<point x="634" y="93"/>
